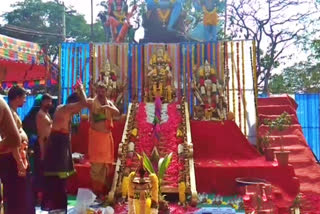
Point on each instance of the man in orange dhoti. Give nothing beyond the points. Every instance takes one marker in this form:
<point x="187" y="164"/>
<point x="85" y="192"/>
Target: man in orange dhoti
<point x="101" y="146"/>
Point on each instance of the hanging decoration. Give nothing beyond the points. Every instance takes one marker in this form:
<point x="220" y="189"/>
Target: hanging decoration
<point x="239" y="85"/>
<point x="18" y="50"/>
<point x="179" y="63"/>
<point x="233" y="79"/>
<point x="244" y="101"/>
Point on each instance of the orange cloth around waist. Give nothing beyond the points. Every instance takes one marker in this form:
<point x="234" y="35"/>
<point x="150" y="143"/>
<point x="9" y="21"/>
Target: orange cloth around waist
<point x="101" y="147"/>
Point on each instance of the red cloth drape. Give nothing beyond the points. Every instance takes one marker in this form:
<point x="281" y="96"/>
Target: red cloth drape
<point x="20" y="72"/>
<point x="222" y="154"/>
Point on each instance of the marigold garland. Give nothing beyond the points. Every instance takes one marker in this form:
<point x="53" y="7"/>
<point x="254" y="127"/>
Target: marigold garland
<point x="155" y="188"/>
<point x="125" y="186"/>
<point x="239" y="86"/>
<point x="59" y="77"/>
<point x="233" y="80"/>
<point x="131" y="203"/>
<point x="148" y="206"/>
<point x="244" y="90"/>
<point x="182" y="192"/>
<point x="226" y="64"/>
<point x="255" y="83"/>
<point x="137" y="206"/>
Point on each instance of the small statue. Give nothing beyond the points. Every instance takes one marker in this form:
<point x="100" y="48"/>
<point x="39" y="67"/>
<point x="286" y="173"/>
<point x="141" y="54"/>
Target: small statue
<point x="115" y="89"/>
<point x="118" y="19"/>
<point x="208" y="90"/>
<point x="160" y="76"/>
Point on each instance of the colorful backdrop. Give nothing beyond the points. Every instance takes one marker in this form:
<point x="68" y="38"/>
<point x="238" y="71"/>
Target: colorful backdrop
<point x="233" y="60"/>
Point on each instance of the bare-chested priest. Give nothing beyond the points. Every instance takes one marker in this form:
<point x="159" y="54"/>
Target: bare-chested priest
<point x="44" y="124"/>
<point x="101" y="145"/>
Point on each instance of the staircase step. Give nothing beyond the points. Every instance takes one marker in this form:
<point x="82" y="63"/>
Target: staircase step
<point x="291" y="130"/>
<point x="282" y="100"/>
<point x="294" y="119"/>
<point x="287" y="140"/>
<point x="276" y="109"/>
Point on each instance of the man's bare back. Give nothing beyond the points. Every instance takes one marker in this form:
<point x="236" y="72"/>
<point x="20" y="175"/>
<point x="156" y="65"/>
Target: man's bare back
<point x="62" y="118"/>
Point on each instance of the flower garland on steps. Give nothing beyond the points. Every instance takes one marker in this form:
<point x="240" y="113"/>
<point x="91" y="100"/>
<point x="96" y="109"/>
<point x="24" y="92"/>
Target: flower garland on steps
<point x="168" y="139"/>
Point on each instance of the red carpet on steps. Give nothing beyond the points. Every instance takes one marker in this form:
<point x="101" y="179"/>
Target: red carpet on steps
<point x="301" y="156"/>
<point x="222" y="154"/>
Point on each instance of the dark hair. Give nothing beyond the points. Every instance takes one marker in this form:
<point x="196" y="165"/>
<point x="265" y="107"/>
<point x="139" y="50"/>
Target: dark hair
<point x="15" y="92"/>
<point x="46" y="96"/>
<point x="73" y="98"/>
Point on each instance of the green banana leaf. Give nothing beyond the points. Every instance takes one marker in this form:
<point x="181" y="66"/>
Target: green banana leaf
<point x="163" y="165"/>
<point x="147" y="164"/>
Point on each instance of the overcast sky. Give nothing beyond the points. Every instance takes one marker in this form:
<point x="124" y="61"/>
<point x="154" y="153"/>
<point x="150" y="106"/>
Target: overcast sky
<point x="81" y="6"/>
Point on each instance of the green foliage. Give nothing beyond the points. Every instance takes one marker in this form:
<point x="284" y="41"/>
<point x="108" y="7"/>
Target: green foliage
<point x="280" y="124"/>
<point x="316" y="48"/>
<point x="163" y="165"/>
<point x="47" y="17"/>
<point x="274" y="28"/>
<point x="303" y="77"/>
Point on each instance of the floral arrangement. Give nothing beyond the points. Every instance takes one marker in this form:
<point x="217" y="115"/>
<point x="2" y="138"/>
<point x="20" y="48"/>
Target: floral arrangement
<point x="218" y="200"/>
<point x="168" y="135"/>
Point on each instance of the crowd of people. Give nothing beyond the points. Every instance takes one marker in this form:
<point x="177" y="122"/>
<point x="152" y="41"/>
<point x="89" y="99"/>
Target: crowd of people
<point x="53" y="162"/>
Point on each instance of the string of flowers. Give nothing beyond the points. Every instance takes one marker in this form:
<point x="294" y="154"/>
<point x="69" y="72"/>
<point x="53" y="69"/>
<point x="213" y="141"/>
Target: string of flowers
<point x="255" y="83"/>
<point x="233" y="80"/>
<point x="244" y="90"/>
<point x="171" y="142"/>
<point x="154" y="193"/>
<point x="182" y="192"/>
<point x="239" y="87"/>
<point x="168" y="140"/>
<point x="227" y="72"/>
<point x="131" y="205"/>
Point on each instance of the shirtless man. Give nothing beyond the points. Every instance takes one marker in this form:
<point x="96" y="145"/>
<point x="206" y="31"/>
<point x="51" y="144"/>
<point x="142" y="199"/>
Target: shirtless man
<point x="44" y="122"/>
<point x="58" y="163"/>
<point x="101" y="146"/>
<point x="17" y="188"/>
<point x="17" y="97"/>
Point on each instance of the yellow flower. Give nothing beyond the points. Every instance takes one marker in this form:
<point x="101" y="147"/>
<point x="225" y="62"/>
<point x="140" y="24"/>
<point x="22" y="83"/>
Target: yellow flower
<point x="224" y="203"/>
<point x="236" y="207"/>
<point x="155" y="187"/>
<point x="134" y="132"/>
<point x="125" y="186"/>
<point x="130" y="186"/>
<point x="182" y="192"/>
<point x="137" y="206"/>
<point x="148" y="206"/>
<point x="209" y="201"/>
